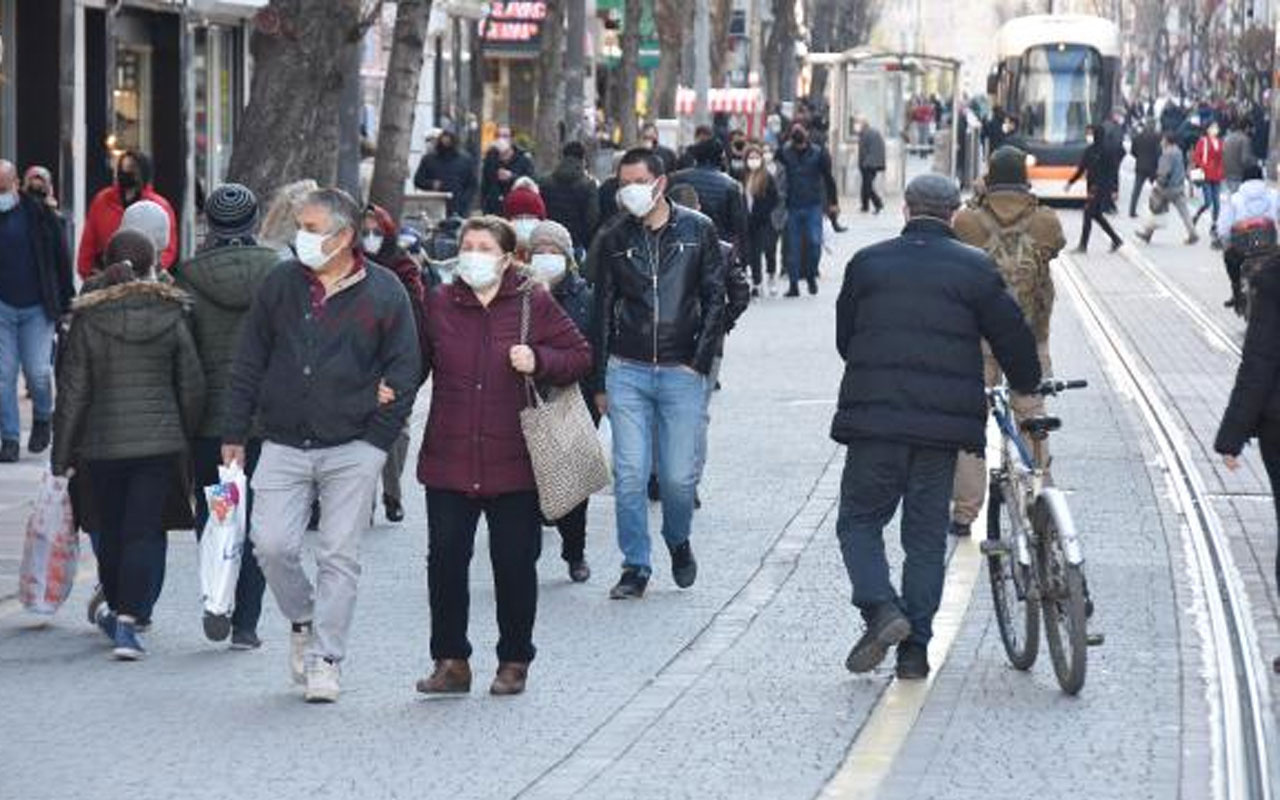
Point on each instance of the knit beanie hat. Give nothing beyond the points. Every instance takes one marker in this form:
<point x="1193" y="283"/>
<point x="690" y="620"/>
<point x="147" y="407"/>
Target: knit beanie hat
<point x="522" y="201"/>
<point x="231" y="211"/>
<point x="150" y="218"/>
<point x="1007" y="167"/>
<point x="552" y="233"/>
<point x="134" y="247"/>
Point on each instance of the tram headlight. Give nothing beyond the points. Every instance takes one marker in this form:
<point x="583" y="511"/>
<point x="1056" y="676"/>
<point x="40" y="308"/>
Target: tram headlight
<point x="1031" y="161"/>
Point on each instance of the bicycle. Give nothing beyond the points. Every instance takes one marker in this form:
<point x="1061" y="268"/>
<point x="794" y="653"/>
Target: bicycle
<point x="1034" y="558"/>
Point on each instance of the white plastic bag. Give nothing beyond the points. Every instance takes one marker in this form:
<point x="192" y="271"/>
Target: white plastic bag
<point x="51" y="551"/>
<point x="222" y="540"/>
<point x="605" y="434"/>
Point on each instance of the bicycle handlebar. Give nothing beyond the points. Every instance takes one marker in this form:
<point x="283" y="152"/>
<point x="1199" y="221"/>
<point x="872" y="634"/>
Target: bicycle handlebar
<point x="1052" y="387"/>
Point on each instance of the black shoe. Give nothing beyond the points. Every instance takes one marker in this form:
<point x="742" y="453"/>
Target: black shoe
<point x="630" y="586"/>
<point x="395" y="511"/>
<point x="579" y="571"/>
<point x="755" y="291"/>
<point x="684" y="567"/>
<point x="655" y="492"/>
<point x="41" y="433"/>
<point x="1275" y="665"/>
<point x="697" y="501"/>
<point x="313" y="524"/>
<point x="837" y="227"/>
<point x="887" y="628"/>
<point x="245" y="639"/>
<point x="1117" y="244"/>
<point x="217" y="627"/>
<point x="813" y="286"/>
<point x="10" y="450"/>
<point x="913" y="662"/>
<point x="960" y="529"/>
<point x="794" y="291"/>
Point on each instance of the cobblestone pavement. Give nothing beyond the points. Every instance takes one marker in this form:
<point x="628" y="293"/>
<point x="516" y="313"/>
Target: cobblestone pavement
<point x="734" y="689"/>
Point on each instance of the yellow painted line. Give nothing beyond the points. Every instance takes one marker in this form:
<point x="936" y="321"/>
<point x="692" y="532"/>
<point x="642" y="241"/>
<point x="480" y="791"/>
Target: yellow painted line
<point x="886" y="729"/>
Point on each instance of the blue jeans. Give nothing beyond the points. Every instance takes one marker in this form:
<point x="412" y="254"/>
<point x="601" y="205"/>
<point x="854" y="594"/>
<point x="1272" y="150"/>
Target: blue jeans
<point x="804" y="230"/>
<point x="26" y="340"/>
<point x="1212" y="192"/>
<point x="642" y="398"/>
<point x="878" y="475"/>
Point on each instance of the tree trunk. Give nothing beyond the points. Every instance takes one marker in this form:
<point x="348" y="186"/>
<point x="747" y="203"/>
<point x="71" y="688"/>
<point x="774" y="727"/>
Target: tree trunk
<point x="721" y="15"/>
<point x="399" y="104"/>
<point x="290" y="127"/>
<point x="550" y="87"/>
<point x="630" y="71"/>
<point x="779" y="53"/>
<point x="669" y="20"/>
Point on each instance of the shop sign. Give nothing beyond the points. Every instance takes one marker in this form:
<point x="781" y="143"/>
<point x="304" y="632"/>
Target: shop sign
<point x="513" y="26"/>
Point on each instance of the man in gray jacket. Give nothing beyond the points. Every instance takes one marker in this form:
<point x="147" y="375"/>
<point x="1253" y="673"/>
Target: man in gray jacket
<point x="1170" y="189"/>
<point x="1237" y="155"/>
<point x="871" y="161"/>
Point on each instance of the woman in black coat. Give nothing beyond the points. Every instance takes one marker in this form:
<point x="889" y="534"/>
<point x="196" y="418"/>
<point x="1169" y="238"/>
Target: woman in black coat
<point x="1254" y="408"/>
<point x="762" y="200"/>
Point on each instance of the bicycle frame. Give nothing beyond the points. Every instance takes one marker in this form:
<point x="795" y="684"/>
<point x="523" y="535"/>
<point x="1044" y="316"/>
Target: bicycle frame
<point x="1028" y="483"/>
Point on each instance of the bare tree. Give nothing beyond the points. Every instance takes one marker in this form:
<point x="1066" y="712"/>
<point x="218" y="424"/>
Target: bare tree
<point x="721" y="16"/>
<point x="399" y="102"/>
<point x="550" y="88"/>
<point x="835" y="26"/>
<point x="669" y="18"/>
<point x="780" y="51"/>
<point x="630" y="70"/>
<point x="290" y="127"/>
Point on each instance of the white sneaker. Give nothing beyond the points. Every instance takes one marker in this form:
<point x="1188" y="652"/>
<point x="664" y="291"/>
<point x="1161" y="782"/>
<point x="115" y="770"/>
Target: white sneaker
<point x="773" y="286"/>
<point x="322" y="682"/>
<point x="299" y="641"/>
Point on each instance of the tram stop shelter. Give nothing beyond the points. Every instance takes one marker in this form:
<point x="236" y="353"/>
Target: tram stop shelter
<point x="877" y="85"/>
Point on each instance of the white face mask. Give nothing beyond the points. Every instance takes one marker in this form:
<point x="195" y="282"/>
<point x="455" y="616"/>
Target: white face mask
<point x="8" y="202"/>
<point x="446" y="270"/>
<point x="637" y="198"/>
<point x="372" y="243"/>
<point x="524" y="228"/>
<point x="310" y="249"/>
<point x="1088" y="139"/>
<point x="478" y="270"/>
<point x="548" y="267"/>
<point x="754" y="163"/>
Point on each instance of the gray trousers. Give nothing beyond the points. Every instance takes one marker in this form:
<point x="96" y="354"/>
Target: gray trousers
<point x="394" y="468"/>
<point x="287" y="480"/>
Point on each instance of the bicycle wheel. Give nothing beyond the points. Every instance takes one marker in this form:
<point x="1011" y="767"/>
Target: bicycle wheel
<point x="1065" y="623"/>
<point x="1016" y="604"/>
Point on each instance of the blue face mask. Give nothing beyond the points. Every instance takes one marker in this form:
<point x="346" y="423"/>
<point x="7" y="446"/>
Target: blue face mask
<point x="8" y="202"/>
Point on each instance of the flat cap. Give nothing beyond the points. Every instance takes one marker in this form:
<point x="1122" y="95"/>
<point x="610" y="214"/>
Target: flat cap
<point x="932" y="194"/>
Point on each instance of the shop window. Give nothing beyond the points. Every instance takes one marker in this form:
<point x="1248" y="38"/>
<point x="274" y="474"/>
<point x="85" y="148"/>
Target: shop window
<point x="131" y="97"/>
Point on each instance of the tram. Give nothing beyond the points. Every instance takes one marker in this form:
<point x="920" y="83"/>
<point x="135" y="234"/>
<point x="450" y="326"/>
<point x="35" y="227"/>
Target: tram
<point x="1056" y="74"/>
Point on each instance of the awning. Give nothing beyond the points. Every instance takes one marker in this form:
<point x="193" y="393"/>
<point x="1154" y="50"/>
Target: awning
<point x="729" y="101"/>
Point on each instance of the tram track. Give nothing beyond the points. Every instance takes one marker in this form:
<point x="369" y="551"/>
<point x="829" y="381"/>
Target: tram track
<point x="1244" y="749"/>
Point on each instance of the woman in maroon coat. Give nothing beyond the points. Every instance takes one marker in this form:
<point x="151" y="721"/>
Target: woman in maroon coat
<point x="474" y="458"/>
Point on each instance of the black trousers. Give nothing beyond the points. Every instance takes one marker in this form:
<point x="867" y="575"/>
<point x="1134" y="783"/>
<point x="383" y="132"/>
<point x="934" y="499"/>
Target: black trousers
<point x="1140" y="179"/>
<point x="764" y="251"/>
<point x="1093" y="208"/>
<point x="573" y="533"/>
<point x="1269" y="444"/>
<point x="869" y="196"/>
<point x="515" y="542"/>
<point x="130" y="494"/>
<point x="206" y="455"/>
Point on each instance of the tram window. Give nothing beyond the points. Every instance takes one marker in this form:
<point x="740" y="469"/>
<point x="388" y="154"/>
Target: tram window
<point x="1059" y="93"/>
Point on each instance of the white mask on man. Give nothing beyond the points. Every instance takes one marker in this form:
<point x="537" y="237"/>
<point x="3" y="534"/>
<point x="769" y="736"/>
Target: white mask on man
<point x="637" y="198"/>
<point x="372" y="243"/>
<point x="310" y="249"/>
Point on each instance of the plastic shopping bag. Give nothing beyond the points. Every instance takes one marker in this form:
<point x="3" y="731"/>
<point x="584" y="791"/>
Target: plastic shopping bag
<point x="222" y="540"/>
<point x="51" y="551"/>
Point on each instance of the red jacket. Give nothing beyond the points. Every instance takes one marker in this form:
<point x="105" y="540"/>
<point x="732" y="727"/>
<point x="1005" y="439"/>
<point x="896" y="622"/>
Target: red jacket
<point x="1208" y="157"/>
<point x="103" y="220"/>
<point x="473" y="442"/>
<point x="406" y="269"/>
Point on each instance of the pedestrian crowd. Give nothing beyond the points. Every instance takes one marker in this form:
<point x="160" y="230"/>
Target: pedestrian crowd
<point x="294" y="344"/>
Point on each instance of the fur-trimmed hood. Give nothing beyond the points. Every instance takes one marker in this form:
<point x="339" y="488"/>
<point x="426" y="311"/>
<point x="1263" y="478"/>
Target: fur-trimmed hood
<point x="136" y="311"/>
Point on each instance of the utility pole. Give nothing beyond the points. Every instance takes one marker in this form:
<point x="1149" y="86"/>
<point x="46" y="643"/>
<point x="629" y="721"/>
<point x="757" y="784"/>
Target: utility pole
<point x="702" y="61"/>
<point x="574" y="70"/>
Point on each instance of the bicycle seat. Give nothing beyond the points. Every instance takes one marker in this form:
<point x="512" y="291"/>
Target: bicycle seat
<point x="1041" y="426"/>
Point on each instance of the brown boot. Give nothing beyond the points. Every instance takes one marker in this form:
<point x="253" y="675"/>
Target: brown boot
<point x="510" y="679"/>
<point x="452" y="676"/>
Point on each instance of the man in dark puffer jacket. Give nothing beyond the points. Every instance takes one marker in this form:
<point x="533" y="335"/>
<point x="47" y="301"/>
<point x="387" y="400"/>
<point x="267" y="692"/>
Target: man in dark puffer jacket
<point x="572" y="197"/>
<point x="910" y="322"/>
<point x="222" y="280"/>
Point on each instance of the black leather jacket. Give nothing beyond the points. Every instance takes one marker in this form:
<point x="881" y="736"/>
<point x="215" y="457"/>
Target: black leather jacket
<point x="721" y="198"/>
<point x="659" y="295"/>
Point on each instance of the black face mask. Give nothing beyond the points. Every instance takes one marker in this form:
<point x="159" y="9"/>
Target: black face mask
<point x="127" y="180"/>
<point x="38" y="192"/>
<point x="799" y="139"/>
<point x="444" y="146"/>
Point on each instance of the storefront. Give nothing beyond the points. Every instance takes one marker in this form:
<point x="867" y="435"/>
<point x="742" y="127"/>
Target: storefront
<point x="511" y="36"/>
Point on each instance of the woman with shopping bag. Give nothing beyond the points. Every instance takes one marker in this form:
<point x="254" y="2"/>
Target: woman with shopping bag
<point x="130" y="392"/>
<point x="474" y="457"/>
